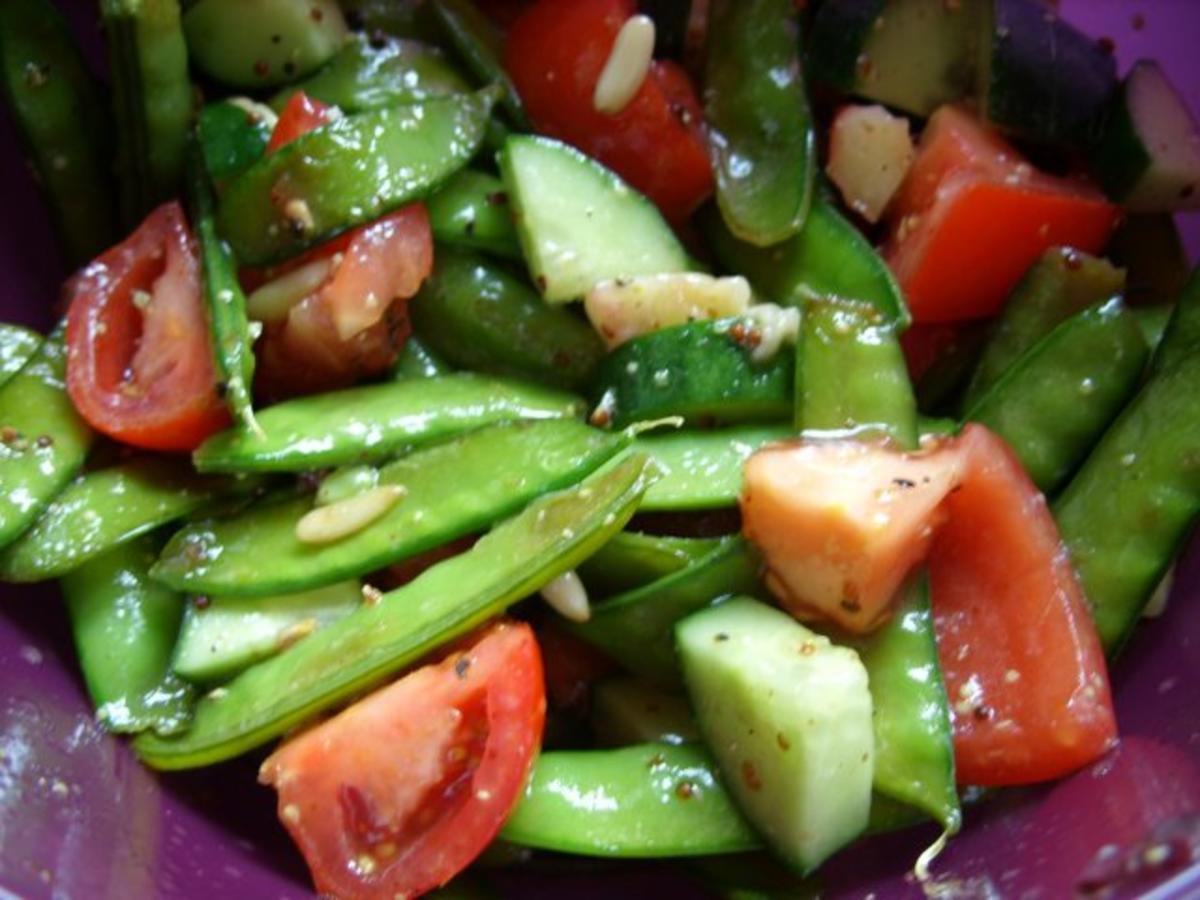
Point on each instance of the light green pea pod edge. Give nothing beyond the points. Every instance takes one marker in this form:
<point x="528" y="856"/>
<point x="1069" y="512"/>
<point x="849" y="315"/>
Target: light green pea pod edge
<point x="152" y="98"/>
<point x="632" y="559"/>
<point x="103" y="509"/>
<point x="376" y="642"/>
<point x="451" y="490"/>
<point x="17" y="346"/>
<point x="125" y="626"/>
<point x="44" y="440"/>
<point x="658" y="800"/>
<point x="480" y="45"/>
<point x="371" y="423"/>
<point x="348" y="172"/>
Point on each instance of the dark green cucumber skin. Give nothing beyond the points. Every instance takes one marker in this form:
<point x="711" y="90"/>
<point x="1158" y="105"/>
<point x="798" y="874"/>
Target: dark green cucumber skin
<point x="839" y="30"/>
<point x="709" y="376"/>
<point x="1042" y="78"/>
<point x="473" y="313"/>
<point x="1121" y="158"/>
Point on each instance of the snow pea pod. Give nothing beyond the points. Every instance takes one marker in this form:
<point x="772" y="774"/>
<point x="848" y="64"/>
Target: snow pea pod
<point x="417" y="361"/>
<point x="637" y="628"/>
<point x="62" y="118"/>
<point x="152" y="99"/>
<point x="233" y="347"/>
<point x="232" y="138"/>
<point x="125" y="626"/>
<point x="478" y="316"/>
<point x="480" y="45"/>
<point x="632" y="559"/>
<point x="1182" y="335"/>
<point x="702" y="469"/>
<point x="471" y="210"/>
<point x="829" y="257"/>
<point x="17" y="346"/>
<point x="648" y="800"/>
<point x="370" y="423"/>
<point x="377" y="71"/>
<point x="761" y="135"/>
<point x="1126" y="513"/>
<point x="1153" y="322"/>
<point x="43" y="441"/>
<point x="264" y="43"/>
<point x="226" y="635"/>
<point x="348" y="172"/>
<point x="453" y="489"/>
<point x="1056" y="400"/>
<point x="103" y="509"/>
<point x="378" y="641"/>
<point x="851" y="377"/>
<point x="1059" y="285"/>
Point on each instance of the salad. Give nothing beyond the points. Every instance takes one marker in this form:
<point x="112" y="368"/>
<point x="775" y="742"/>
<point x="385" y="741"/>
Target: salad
<point x="698" y="429"/>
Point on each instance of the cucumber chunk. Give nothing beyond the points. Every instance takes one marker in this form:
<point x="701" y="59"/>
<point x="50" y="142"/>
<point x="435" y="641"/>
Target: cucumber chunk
<point x="1150" y="156"/>
<point x="788" y="717"/>
<point x="579" y="223"/>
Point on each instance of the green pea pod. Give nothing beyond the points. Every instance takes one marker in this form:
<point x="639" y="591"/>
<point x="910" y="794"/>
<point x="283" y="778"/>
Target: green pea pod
<point x="453" y="489"/>
<point x="471" y="210"/>
<point x="43" y="441"/>
<point x="62" y="118"/>
<point x="632" y="559"/>
<point x="480" y="45"/>
<point x="379" y="641"/>
<point x="649" y="800"/>
<point x="914" y="756"/>
<point x="628" y="711"/>
<point x="346" y="482"/>
<point x="702" y="371"/>
<point x="152" y="98"/>
<point x="1182" y="335"/>
<point x="374" y="422"/>
<point x="17" y="346"/>
<point x="761" y="133"/>
<point x="348" y="172"/>
<point x="702" y="469"/>
<point x="1127" y="512"/>
<point x="226" y="635"/>
<point x="104" y="509"/>
<point x="1054" y="402"/>
<point x="637" y="628"/>
<point x="828" y="258"/>
<point x="417" y="362"/>
<point x="264" y="43"/>
<point x="478" y="316"/>
<point x="232" y="139"/>
<point x="233" y="347"/>
<point x="1059" y="285"/>
<point x="850" y="373"/>
<point x="1153" y="321"/>
<point x="125" y="626"/>
<point x="378" y="71"/>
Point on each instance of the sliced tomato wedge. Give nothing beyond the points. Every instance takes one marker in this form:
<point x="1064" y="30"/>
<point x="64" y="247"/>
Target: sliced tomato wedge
<point x="301" y="115"/>
<point x="139" y="356"/>
<point x="1025" y="673"/>
<point x="973" y="215"/>
<point x="555" y="53"/>
<point x="400" y="792"/>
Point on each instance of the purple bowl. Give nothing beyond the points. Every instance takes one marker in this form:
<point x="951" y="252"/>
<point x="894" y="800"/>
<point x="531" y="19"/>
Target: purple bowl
<point x="80" y="818"/>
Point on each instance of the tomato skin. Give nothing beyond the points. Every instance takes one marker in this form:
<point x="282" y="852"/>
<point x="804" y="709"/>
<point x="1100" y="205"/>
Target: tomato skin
<point x="400" y="792"/>
<point x="972" y="216"/>
<point x="145" y="377"/>
<point x="555" y="53"/>
<point x="301" y="115"/>
<point x="1024" y="669"/>
<point x="355" y="323"/>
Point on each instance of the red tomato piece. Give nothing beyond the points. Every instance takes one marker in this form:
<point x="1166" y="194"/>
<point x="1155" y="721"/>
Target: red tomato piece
<point x="139" y="354"/>
<point x="400" y="792"/>
<point x="301" y="115"/>
<point x="972" y="216"/>
<point x="354" y="324"/>
<point x="555" y="53"/>
<point x="1025" y="673"/>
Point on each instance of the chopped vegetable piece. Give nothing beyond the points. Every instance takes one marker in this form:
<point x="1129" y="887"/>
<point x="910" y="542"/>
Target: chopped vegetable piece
<point x="624" y="308"/>
<point x="972" y="216"/>
<point x="870" y="151"/>
<point x="400" y="792"/>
